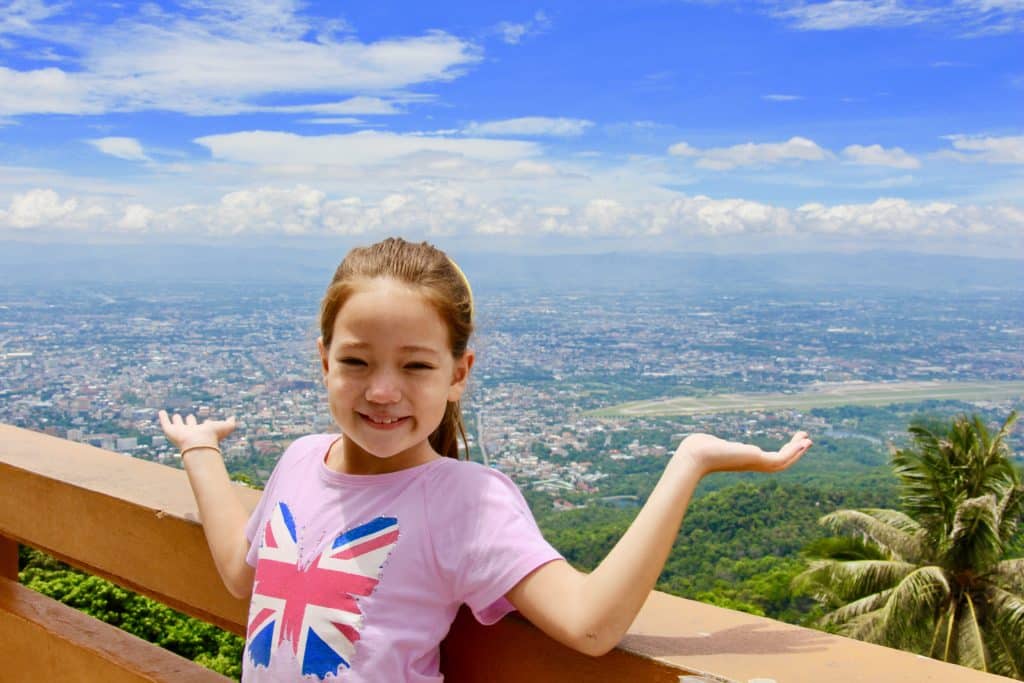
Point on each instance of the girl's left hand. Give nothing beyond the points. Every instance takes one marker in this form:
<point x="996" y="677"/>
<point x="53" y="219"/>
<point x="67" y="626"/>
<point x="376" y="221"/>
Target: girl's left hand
<point x="712" y="454"/>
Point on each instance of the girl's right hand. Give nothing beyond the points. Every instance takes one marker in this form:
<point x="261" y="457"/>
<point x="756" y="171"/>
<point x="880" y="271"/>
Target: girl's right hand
<point x="189" y="432"/>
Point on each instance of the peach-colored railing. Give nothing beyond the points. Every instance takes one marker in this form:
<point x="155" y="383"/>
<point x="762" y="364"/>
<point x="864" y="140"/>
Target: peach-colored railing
<point x="134" y="522"/>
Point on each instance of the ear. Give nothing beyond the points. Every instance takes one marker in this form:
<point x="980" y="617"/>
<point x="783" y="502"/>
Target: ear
<point x="460" y="375"/>
<point x="323" y="356"/>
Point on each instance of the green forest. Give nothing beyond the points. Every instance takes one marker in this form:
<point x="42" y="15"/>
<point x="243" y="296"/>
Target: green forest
<point x="748" y="543"/>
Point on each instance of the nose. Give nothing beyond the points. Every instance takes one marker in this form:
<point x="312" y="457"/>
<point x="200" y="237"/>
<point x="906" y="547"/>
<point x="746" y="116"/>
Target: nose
<point x="383" y="388"/>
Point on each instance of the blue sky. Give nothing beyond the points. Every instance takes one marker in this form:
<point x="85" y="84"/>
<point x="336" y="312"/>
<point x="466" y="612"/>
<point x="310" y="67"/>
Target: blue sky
<point x="570" y="126"/>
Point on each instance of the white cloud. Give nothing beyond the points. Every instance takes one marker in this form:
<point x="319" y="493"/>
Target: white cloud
<point x="122" y="148"/>
<point x="683" y="149"/>
<point x="972" y="17"/>
<point x="433" y="208"/>
<point x="530" y="126"/>
<point x="978" y="148"/>
<point x="843" y="14"/>
<point x="224" y="59"/>
<point x="781" y="98"/>
<point x="513" y="33"/>
<point x="19" y="17"/>
<point x="354" y="149"/>
<point x="49" y="90"/>
<point x="35" y="208"/>
<point x="876" y="155"/>
<point x="897" y="217"/>
<point x="752" y="154"/>
<point x="360" y="105"/>
<point x="136" y="218"/>
<point x="336" y="121"/>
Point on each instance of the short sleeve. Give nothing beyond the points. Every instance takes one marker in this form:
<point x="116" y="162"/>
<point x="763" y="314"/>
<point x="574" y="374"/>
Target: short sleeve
<point x="491" y="540"/>
<point x="259" y="513"/>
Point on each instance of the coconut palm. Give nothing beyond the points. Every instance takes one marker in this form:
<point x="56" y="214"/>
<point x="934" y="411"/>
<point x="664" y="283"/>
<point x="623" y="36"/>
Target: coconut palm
<point x="935" y="577"/>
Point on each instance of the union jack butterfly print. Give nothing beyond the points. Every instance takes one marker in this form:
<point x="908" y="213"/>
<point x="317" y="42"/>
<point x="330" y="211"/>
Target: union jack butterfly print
<point x="314" y="608"/>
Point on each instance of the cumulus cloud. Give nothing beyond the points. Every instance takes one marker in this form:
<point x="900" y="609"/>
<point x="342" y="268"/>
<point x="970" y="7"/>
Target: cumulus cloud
<point x="49" y="90"/>
<point x="136" y="218"/>
<point x="122" y="148"/>
<point x="751" y="153"/>
<point x="434" y="208"/>
<point x="978" y="148"/>
<point x="35" y="208"/>
<point x="225" y="58"/>
<point x="530" y="126"/>
<point x="876" y="155"/>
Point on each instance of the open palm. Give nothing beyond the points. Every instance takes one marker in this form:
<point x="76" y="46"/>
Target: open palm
<point x="188" y="432"/>
<point x="713" y="454"/>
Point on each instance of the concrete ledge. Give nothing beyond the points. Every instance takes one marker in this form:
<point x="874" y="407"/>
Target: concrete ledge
<point x="130" y="521"/>
<point x="134" y="522"/>
<point x="43" y="640"/>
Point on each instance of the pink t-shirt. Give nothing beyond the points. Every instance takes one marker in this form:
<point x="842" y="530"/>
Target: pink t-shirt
<point x="359" y="577"/>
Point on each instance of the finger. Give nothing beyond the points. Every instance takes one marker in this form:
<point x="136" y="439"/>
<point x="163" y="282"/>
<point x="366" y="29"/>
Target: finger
<point x="191" y="419"/>
<point x="177" y="420"/>
<point x="798" y="451"/>
<point x="164" y="421"/>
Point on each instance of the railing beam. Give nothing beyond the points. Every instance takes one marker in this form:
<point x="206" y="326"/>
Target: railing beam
<point x="8" y="558"/>
<point x="44" y="640"/>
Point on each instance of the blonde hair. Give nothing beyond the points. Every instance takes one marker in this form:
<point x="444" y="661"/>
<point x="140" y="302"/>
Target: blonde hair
<point x="442" y="283"/>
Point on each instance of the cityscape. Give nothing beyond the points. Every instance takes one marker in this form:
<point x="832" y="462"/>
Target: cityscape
<point x="95" y="367"/>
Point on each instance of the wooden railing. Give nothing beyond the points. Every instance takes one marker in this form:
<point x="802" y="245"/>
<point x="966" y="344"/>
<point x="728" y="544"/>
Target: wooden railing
<point x="135" y="523"/>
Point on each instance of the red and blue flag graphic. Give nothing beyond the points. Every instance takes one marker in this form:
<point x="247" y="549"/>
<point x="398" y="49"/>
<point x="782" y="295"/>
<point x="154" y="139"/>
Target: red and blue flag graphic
<point x="313" y="608"/>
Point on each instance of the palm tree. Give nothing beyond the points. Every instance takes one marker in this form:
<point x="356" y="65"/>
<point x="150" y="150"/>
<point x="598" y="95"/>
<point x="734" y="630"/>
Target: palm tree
<point x="935" y="577"/>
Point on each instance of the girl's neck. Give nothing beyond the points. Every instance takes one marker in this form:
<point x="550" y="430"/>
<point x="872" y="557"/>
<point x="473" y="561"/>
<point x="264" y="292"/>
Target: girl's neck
<point x="347" y="457"/>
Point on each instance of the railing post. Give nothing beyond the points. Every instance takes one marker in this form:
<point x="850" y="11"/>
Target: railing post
<point x="8" y="558"/>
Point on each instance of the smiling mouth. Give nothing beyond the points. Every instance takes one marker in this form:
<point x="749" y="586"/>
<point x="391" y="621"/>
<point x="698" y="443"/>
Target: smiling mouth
<point x="383" y="422"/>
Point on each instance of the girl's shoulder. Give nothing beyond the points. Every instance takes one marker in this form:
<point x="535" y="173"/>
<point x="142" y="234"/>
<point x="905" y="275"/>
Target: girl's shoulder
<point x="452" y="470"/>
<point x="304" y="449"/>
<point x="461" y="479"/>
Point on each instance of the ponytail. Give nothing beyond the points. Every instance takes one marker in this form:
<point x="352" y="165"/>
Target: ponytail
<point x="445" y="439"/>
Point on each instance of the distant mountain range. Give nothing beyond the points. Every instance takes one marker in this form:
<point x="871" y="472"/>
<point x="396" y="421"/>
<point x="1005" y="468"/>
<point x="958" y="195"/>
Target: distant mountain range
<point x="38" y="265"/>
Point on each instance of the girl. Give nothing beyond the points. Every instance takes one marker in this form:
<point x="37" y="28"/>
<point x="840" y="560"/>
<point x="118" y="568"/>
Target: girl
<point x="365" y="544"/>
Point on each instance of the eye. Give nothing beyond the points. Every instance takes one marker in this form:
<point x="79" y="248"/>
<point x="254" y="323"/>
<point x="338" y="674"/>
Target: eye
<point x="351" y="361"/>
<point x="418" y="366"/>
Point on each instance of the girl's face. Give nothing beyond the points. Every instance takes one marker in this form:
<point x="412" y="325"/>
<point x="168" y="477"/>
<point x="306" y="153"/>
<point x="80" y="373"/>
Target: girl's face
<point x="389" y="374"/>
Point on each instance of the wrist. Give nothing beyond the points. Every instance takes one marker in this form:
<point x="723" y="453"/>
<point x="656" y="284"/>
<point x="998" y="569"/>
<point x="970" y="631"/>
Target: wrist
<point x="686" y="462"/>
<point x="199" y="448"/>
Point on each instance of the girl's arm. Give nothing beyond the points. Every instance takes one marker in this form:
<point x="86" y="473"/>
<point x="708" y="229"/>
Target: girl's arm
<point x="591" y="612"/>
<point x="220" y="510"/>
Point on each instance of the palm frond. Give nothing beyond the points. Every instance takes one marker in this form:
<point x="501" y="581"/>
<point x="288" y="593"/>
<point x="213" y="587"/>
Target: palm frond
<point x="852" y="610"/>
<point x="868" y="627"/>
<point x="1010" y="511"/>
<point x="895" y="532"/>
<point x="1006" y="654"/>
<point x="1007" y="609"/>
<point x="845" y="548"/>
<point x="1009" y="574"/>
<point x="970" y="645"/>
<point x="913" y="607"/>
<point x="974" y="539"/>
<point x="832" y="582"/>
<point x="940" y="634"/>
